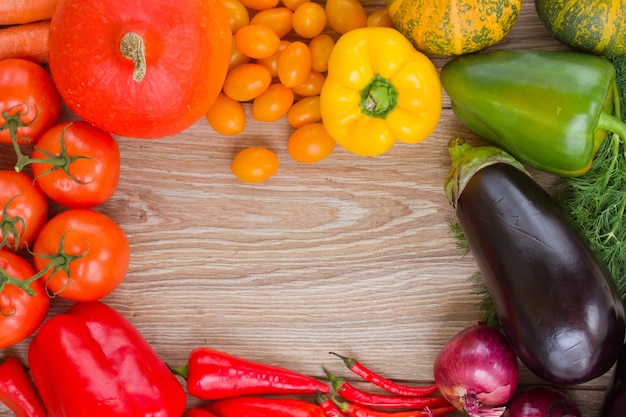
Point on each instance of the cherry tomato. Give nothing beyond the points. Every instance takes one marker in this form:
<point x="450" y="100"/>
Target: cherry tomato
<point x="246" y="81"/>
<point x="254" y="164"/>
<point x="84" y="164"/>
<point x="278" y="19"/>
<point x="273" y="103"/>
<point x="310" y="143"/>
<point x="271" y="62"/>
<point x="260" y="4"/>
<point x="380" y="18"/>
<point x="226" y="116"/>
<point x="309" y="20"/>
<point x="91" y="251"/>
<point x="321" y="46"/>
<point x="236" y="56"/>
<point x="29" y="98"/>
<point x="304" y="111"/>
<point x="293" y="4"/>
<point x="24" y="210"/>
<point x="312" y="86"/>
<point x="21" y="313"/>
<point x="257" y="41"/>
<point x="238" y="15"/>
<point x="294" y="64"/>
<point x="345" y="15"/>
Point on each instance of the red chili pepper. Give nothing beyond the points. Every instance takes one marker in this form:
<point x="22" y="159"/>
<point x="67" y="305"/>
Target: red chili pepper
<point x="213" y="375"/>
<point x="357" y="410"/>
<point x="17" y="390"/>
<point x="353" y="394"/>
<point x="263" y="407"/>
<point x="329" y="408"/>
<point x="198" y="412"/>
<point x="91" y="361"/>
<point x="384" y="383"/>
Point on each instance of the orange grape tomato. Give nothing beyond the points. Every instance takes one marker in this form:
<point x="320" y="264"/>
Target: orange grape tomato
<point x="260" y="4"/>
<point x="236" y="57"/>
<point x="257" y="41"/>
<point x="345" y="15"/>
<point x="246" y="81"/>
<point x="321" y="46"/>
<point x="304" y="111"/>
<point x="309" y="20"/>
<point x="278" y="19"/>
<point x="293" y="4"/>
<point x="273" y="103"/>
<point x="271" y="62"/>
<point x="294" y="64"/>
<point x="310" y="143"/>
<point x="254" y="164"/>
<point x="238" y="15"/>
<point x="226" y="116"/>
<point x="380" y="18"/>
<point x="312" y="86"/>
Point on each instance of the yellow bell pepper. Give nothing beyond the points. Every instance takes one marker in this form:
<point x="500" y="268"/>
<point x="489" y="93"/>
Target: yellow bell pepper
<point x="379" y="89"/>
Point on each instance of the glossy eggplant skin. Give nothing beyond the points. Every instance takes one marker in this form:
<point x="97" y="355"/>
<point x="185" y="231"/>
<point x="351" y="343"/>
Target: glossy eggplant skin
<point x="555" y="301"/>
<point x="614" y="404"/>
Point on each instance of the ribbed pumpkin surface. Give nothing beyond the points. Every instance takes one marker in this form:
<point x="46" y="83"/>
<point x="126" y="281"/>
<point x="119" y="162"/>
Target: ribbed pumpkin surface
<point x="595" y="26"/>
<point x="450" y="28"/>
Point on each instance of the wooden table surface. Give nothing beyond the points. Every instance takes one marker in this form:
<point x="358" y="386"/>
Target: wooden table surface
<point x="352" y="254"/>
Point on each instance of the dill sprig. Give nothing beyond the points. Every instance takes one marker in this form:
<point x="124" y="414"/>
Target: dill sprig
<point x="596" y="201"/>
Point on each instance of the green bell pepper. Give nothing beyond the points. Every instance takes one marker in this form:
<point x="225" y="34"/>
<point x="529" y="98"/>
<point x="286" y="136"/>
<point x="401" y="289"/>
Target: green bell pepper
<point x="551" y="110"/>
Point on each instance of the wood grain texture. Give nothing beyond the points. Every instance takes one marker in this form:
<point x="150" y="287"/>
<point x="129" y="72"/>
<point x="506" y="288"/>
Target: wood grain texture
<point x="352" y="255"/>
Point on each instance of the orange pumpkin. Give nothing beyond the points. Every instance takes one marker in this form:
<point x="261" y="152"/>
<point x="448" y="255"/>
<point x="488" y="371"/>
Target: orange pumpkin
<point x="450" y="28"/>
<point x="141" y="68"/>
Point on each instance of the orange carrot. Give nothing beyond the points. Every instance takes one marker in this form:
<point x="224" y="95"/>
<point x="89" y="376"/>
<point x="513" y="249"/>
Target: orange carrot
<point x="27" y="41"/>
<point x="15" y="12"/>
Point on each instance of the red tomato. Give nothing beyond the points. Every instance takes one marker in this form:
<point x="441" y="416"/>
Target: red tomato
<point x="85" y="164"/>
<point x="21" y="312"/>
<point x="310" y="143"/>
<point x="24" y="210"/>
<point x="30" y="97"/>
<point x="91" y="250"/>
<point x="146" y="68"/>
<point x="254" y="164"/>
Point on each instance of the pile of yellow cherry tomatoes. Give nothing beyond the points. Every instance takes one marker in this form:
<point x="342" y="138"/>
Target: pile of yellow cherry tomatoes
<point x="279" y="59"/>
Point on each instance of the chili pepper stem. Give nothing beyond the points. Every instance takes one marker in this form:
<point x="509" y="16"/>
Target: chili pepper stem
<point x="182" y="371"/>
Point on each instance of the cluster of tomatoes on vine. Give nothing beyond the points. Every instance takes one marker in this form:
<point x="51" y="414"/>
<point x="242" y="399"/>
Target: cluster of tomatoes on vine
<point x="74" y="251"/>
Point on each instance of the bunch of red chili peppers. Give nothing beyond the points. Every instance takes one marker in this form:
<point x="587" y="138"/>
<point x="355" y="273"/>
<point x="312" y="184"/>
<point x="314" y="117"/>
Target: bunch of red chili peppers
<point x="114" y="372"/>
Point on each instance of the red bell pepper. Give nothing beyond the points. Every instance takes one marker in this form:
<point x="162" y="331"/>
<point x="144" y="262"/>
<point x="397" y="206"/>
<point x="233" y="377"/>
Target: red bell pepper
<point x="17" y="390"/>
<point x="91" y="362"/>
<point x="212" y="374"/>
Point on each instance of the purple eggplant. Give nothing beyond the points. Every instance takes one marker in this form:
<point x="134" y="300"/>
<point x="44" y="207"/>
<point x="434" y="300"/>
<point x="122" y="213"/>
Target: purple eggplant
<point x="614" y="404"/>
<point x="553" y="296"/>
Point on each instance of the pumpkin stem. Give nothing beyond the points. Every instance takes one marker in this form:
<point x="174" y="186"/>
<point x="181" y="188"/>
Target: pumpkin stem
<point x="133" y="48"/>
<point x="379" y="97"/>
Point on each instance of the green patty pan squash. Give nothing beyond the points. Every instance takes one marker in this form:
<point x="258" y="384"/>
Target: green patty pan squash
<point x="551" y="110"/>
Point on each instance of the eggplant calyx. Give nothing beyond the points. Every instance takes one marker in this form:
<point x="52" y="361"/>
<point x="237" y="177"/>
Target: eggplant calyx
<point x="467" y="160"/>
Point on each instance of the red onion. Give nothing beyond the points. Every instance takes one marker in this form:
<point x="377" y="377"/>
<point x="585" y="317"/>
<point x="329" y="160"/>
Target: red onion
<point x="541" y="401"/>
<point x="477" y="371"/>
